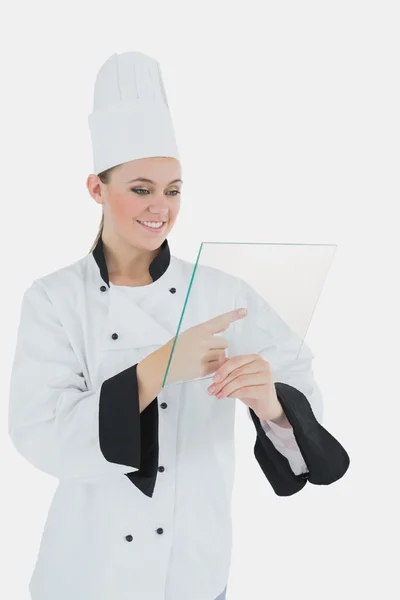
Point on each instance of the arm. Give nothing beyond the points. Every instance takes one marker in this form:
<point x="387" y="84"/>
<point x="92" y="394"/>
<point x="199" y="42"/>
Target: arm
<point x="325" y="460"/>
<point x="56" y="422"/>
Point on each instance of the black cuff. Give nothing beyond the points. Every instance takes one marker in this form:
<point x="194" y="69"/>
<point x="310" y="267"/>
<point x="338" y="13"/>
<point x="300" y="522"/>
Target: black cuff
<point x="145" y="478"/>
<point x="126" y="436"/>
<point x="326" y="459"/>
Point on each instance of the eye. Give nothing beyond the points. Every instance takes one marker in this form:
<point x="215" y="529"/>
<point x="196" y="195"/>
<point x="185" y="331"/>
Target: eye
<point x="139" y="190"/>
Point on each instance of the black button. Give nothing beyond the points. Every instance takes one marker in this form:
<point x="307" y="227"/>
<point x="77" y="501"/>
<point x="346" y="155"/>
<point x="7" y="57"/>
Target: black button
<point x="114" y="336"/>
<point x="172" y="290"/>
<point x="160" y="530"/>
<point x="128" y="538"/>
<point x="164" y="405"/>
<point x="161" y="469"/>
<point x="103" y="288"/>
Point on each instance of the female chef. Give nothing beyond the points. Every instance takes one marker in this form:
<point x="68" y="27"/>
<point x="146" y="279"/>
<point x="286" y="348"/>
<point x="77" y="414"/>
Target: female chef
<point x="145" y="472"/>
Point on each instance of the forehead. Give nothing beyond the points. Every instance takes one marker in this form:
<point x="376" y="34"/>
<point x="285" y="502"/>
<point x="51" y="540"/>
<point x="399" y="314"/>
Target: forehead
<point x="158" y="169"/>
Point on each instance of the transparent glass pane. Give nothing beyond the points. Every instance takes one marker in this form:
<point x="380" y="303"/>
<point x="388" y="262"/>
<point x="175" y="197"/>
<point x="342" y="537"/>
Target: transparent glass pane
<point x="278" y="284"/>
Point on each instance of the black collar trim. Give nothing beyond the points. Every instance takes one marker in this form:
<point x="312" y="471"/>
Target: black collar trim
<point x="157" y="267"/>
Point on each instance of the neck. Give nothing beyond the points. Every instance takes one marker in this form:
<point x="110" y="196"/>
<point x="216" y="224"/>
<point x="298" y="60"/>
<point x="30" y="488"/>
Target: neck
<point x="125" y="261"/>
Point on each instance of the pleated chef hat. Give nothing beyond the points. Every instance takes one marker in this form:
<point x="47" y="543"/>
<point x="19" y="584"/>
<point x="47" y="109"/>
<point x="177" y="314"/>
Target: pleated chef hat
<point x="131" y="117"/>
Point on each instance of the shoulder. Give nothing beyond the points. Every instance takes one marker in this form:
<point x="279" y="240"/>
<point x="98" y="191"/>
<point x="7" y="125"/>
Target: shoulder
<point x="65" y="282"/>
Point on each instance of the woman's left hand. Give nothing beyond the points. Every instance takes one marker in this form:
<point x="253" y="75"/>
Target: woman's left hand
<point x="249" y="378"/>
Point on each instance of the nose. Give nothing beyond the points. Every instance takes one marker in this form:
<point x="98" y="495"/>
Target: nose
<point x="159" y="205"/>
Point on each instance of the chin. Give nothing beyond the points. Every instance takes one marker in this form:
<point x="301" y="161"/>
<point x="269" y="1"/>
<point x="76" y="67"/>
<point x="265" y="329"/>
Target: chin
<point x="149" y="244"/>
<point x="150" y="241"/>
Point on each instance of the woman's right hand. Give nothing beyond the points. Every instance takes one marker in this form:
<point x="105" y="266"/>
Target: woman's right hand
<point x="198" y="352"/>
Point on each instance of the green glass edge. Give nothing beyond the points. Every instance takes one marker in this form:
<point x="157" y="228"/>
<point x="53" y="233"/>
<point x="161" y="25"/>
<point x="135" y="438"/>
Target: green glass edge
<point x="183" y="312"/>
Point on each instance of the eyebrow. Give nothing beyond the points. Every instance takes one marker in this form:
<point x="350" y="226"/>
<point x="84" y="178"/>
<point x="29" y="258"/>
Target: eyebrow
<point x="151" y="181"/>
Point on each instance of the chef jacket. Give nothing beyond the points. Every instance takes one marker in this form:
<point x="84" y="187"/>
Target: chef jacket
<point x="142" y="510"/>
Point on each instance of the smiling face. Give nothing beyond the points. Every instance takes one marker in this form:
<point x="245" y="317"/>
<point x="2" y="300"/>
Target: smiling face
<point x="146" y="190"/>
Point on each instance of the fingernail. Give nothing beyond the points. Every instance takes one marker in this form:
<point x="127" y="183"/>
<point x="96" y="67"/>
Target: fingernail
<point x="211" y="389"/>
<point x="242" y="311"/>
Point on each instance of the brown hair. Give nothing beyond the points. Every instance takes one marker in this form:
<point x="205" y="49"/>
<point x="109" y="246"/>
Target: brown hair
<point x="104" y="177"/>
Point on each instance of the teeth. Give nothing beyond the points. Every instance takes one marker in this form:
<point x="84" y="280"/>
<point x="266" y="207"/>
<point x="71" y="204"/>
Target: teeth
<point x="153" y="225"/>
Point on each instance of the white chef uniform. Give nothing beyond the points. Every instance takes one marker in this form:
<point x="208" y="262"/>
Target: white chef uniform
<point x="142" y="506"/>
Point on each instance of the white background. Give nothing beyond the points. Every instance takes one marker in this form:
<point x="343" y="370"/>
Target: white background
<point x="287" y="121"/>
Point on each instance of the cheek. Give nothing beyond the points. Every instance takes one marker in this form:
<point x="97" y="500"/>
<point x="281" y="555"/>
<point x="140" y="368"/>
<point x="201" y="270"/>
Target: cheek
<point x="174" y="209"/>
<point x="125" y="207"/>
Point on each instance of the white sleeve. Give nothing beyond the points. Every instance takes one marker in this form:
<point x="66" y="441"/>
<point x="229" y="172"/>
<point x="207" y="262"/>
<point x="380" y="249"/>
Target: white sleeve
<point x="265" y="333"/>
<point x="57" y="423"/>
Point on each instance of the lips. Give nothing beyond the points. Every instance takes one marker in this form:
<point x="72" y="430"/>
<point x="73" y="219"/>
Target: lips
<point x="153" y="229"/>
<point x="159" y="223"/>
<point x="146" y="221"/>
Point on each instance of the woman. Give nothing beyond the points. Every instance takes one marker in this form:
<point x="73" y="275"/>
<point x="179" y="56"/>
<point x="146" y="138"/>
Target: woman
<point x="142" y="507"/>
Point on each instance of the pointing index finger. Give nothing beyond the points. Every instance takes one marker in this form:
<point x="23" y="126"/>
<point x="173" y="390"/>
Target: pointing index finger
<point x="222" y="322"/>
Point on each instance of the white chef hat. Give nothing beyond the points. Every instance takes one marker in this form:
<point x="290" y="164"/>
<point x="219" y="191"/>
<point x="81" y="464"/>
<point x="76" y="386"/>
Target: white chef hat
<point x="131" y="117"/>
